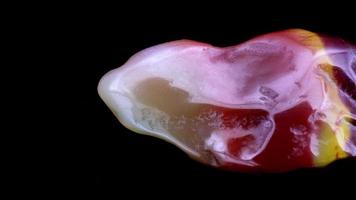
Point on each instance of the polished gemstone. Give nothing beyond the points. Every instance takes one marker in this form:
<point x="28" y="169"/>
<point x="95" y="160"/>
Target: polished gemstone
<point x="277" y="102"/>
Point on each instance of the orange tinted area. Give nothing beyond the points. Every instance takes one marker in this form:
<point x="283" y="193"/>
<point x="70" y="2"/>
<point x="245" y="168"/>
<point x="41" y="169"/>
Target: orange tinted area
<point x="305" y="38"/>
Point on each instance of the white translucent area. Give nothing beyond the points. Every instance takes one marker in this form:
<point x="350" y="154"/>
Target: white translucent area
<point x="207" y="76"/>
<point x="314" y="145"/>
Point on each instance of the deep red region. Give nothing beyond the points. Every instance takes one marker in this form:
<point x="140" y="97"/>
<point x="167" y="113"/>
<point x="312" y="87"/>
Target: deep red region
<point x="285" y="150"/>
<point x="279" y="155"/>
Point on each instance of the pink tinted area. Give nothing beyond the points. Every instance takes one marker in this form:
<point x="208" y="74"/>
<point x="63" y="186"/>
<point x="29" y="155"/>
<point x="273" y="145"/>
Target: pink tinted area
<point x="256" y="69"/>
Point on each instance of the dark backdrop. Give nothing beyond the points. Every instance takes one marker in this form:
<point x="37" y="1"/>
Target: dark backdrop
<point x="96" y="39"/>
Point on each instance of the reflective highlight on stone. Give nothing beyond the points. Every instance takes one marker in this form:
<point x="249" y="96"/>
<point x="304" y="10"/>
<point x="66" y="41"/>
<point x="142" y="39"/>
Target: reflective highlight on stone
<point x="278" y="102"/>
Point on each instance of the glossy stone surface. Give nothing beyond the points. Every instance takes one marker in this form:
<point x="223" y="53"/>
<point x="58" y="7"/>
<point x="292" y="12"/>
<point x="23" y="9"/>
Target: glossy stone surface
<point x="277" y="102"/>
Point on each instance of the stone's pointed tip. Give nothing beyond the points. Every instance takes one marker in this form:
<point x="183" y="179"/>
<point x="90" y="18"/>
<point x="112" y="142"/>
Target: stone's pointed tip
<point x="255" y="106"/>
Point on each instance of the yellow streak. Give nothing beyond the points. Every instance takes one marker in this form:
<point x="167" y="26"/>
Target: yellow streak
<point x="331" y="140"/>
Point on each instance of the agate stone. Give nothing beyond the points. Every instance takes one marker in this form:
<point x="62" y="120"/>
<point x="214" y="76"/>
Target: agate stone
<point x="277" y="102"/>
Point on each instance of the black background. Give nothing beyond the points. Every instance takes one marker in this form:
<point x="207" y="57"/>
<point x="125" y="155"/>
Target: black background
<point x="90" y="39"/>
